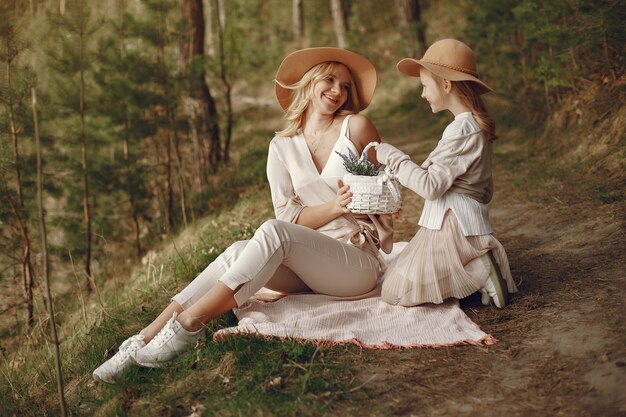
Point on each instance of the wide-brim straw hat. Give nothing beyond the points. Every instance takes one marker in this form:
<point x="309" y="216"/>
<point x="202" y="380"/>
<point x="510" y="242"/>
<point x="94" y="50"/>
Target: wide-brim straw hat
<point x="449" y="59"/>
<point x="297" y="63"/>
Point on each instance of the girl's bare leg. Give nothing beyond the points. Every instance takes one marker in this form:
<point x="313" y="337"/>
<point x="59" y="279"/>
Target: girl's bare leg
<point x="153" y="328"/>
<point x="217" y="301"/>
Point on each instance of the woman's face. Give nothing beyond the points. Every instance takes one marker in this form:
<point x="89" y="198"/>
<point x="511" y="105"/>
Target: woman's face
<point x="433" y="91"/>
<point x="331" y="93"/>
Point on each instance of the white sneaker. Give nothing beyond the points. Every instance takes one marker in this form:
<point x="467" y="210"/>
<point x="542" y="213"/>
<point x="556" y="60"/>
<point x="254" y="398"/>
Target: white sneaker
<point x="495" y="286"/>
<point x="170" y="342"/>
<point x="120" y="362"/>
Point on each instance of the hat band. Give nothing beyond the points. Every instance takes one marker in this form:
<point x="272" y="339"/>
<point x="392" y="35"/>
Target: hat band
<point x="453" y="67"/>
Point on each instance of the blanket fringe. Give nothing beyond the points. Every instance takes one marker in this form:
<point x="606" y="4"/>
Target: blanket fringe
<point x="485" y="341"/>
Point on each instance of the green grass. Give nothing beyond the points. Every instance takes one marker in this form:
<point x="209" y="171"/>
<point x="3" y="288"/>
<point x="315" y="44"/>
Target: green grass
<point x="608" y="195"/>
<point x="241" y="375"/>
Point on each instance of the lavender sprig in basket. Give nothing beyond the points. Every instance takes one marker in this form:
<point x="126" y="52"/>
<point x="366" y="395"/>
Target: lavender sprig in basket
<point x="359" y="166"/>
<point x="373" y="191"/>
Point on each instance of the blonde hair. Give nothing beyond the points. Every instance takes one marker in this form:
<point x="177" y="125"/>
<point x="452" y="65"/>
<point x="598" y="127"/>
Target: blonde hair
<point x="302" y="91"/>
<point x="469" y="94"/>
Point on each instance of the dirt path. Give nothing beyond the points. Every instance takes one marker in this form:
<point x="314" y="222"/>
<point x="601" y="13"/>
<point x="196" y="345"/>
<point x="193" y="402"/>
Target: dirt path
<point x="561" y="348"/>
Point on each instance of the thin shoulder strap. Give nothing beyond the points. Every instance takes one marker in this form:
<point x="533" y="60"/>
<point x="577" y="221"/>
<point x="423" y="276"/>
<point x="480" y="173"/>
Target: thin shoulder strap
<point x="344" y="127"/>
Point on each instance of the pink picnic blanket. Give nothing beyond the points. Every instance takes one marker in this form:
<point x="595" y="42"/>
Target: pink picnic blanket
<point x="367" y="322"/>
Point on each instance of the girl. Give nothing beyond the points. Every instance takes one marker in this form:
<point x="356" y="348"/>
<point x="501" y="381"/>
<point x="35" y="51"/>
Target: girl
<point x="454" y="252"/>
<point x="314" y="244"/>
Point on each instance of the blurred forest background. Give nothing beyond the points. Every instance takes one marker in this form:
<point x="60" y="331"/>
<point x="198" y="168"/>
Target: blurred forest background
<point x="146" y="116"/>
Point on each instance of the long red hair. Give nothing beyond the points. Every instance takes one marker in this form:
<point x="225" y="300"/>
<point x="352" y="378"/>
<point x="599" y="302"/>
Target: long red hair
<point x="469" y="94"/>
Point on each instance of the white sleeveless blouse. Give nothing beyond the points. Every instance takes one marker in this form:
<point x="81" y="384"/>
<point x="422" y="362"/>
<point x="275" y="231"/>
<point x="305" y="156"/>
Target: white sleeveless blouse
<point x="295" y="183"/>
<point x="334" y="169"/>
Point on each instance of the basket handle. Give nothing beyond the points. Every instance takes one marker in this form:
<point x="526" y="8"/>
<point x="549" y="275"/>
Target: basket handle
<point x="367" y="148"/>
<point x="389" y="175"/>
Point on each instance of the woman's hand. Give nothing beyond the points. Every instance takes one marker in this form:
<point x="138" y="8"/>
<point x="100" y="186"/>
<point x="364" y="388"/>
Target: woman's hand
<point x="317" y="216"/>
<point x="344" y="197"/>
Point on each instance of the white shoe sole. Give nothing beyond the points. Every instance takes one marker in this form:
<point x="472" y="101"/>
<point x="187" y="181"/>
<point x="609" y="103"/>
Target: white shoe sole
<point x="502" y="291"/>
<point x="97" y="378"/>
<point x="152" y="364"/>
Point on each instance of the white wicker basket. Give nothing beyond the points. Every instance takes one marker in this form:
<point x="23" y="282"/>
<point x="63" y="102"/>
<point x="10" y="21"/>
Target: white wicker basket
<point x="374" y="195"/>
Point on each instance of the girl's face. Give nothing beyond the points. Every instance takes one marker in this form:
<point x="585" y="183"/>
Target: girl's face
<point x="331" y="92"/>
<point x="433" y="91"/>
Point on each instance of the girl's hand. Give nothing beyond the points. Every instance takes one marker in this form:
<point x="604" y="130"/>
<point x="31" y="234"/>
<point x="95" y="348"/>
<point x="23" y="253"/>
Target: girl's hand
<point x="383" y="151"/>
<point x="381" y="155"/>
<point x="344" y="197"/>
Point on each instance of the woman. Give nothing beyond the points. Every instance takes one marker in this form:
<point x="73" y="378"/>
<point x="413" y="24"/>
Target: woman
<point x="315" y="243"/>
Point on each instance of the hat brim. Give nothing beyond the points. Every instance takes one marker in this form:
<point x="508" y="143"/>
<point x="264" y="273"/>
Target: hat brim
<point x="412" y="67"/>
<point x="296" y="64"/>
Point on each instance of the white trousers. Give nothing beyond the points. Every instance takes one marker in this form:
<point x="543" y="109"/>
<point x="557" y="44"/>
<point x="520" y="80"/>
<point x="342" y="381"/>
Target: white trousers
<point x="289" y="258"/>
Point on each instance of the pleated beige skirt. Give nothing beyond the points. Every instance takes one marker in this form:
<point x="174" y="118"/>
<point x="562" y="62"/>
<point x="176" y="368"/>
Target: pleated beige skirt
<point x="439" y="264"/>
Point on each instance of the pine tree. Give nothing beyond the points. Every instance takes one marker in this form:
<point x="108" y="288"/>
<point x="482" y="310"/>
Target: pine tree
<point x="72" y="63"/>
<point x="15" y="80"/>
<point x="154" y="33"/>
<point x="121" y="101"/>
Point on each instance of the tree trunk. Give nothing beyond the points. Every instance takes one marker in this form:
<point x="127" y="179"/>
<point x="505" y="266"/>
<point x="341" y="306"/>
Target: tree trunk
<point x="410" y="22"/>
<point x="133" y="202"/>
<point x="346" y="5"/>
<point x="46" y="277"/>
<point x="229" y="106"/>
<point x="208" y="18"/>
<point x="169" y="186"/>
<point x="183" y="197"/>
<point x="339" y="20"/>
<point x="83" y="142"/>
<point x="125" y="144"/>
<point x="297" y="22"/>
<point x="165" y="83"/>
<point x="221" y="12"/>
<point x="12" y="125"/>
<point x="137" y="228"/>
<point x="180" y="169"/>
<point x="200" y="107"/>
<point x="25" y="260"/>
<point x="28" y="279"/>
<point x="26" y="263"/>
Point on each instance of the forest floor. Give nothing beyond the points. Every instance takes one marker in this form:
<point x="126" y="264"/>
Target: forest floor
<point x="561" y="346"/>
<point x="561" y="343"/>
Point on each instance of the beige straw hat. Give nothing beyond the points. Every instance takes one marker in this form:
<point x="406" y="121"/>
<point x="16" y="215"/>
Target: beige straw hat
<point x="446" y="58"/>
<point x="296" y="64"/>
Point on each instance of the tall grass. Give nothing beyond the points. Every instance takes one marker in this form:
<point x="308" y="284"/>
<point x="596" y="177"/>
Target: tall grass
<point x="238" y="376"/>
